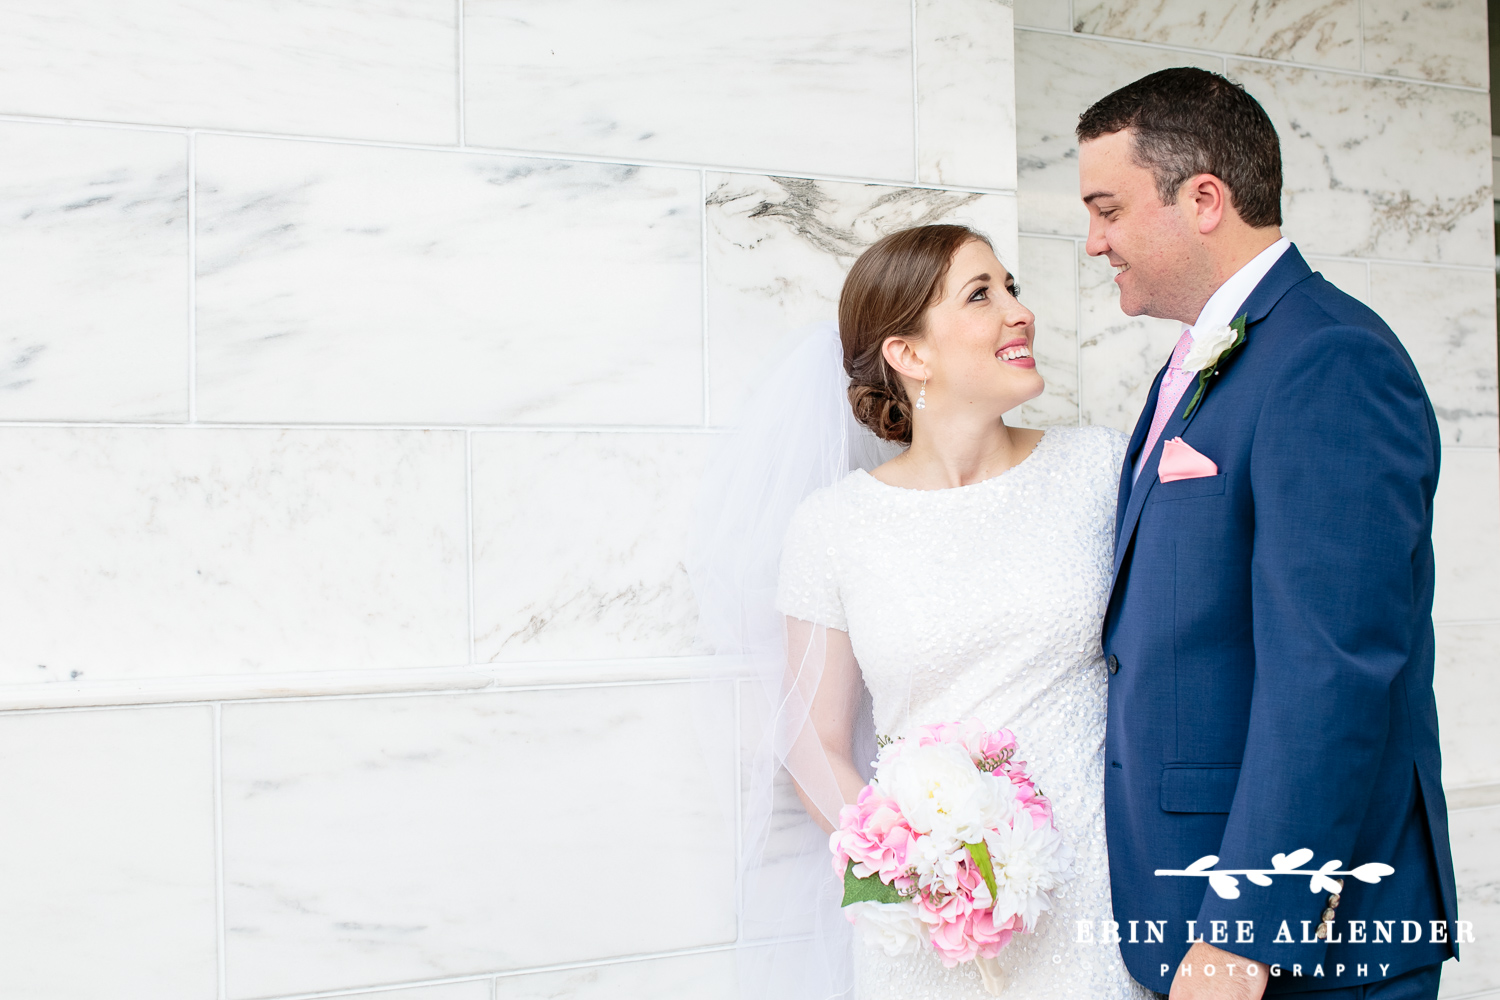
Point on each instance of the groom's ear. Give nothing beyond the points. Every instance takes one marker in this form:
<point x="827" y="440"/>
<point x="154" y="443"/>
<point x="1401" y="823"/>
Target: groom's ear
<point x="1208" y="199"/>
<point x="903" y="358"/>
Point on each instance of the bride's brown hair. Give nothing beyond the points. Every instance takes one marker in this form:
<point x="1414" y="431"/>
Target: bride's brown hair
<point x="886" y="295"/>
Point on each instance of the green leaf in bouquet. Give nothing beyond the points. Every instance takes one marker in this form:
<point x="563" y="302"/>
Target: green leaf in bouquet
<point x="981" y="855"/>
<point x="868" y="889"/>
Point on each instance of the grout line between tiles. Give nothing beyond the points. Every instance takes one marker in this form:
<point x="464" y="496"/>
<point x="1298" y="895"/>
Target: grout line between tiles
<point x="530" y="154"/>
<point x="703" y="288"/>
<point x="1260" y="60"/>
<point x="459" y="44"/>
<point x="219" y="849"/>
<point x="192" y="277"/>
<point x="284" y="426"/>
<point x="469" y="530"/>
<point x="916" y="104"/>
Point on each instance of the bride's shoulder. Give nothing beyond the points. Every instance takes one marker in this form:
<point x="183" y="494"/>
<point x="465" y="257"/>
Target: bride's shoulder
<point x="818" y="511"/>
<point x="1092" y="444"/>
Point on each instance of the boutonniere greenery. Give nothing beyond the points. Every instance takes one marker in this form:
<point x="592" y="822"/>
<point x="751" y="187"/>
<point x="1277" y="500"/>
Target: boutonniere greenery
<point x="1209" y="351"/>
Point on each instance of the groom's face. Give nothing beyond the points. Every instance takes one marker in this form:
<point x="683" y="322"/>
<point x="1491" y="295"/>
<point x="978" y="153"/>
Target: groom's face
<point x="1154" y="247"/>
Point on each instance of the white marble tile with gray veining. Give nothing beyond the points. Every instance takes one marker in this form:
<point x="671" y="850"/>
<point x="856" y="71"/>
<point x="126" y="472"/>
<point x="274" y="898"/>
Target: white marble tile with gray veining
<point x="1466" y="536"/>
<point x="108" y="860"/>
<point x="394" y="840"/>
<point x="1057" y="78"/>
<point x="368" y="69"/>
<point x="778" y="250"/>
<point x="1119" y="355"/>
<point x="1043" y="14"/>
<point x="1048" y="282"/>
<point x="1352" y="277"/>
<point x="1446" y="319"/>
<point x="775" y="85"/>
<point x="966" y="93"/>
<point x="709" y="976"/>
<point x="1441" y="40"/>
<point x="1467" y="689"/>
<point x="341" y="283"/>
<point x="1476" y="868"/>
<point x="579" y="544"/>
<point x="94" y="251"/>
<point x="1376" y="168"/>
<point x="474" y="989"/>
<point x="189" y="552"/>
<point x="1319" y="32"/>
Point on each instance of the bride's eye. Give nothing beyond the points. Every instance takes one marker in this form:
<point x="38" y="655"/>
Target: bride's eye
<point x="1015" y="290"/>
<point x="980" y="294"/>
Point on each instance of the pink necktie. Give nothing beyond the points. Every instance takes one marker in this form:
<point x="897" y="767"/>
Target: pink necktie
<point x="1173" y="386"/>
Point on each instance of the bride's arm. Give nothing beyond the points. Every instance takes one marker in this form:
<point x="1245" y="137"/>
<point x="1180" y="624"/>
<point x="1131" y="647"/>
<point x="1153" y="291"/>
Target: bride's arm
<point x="823" y="676"/>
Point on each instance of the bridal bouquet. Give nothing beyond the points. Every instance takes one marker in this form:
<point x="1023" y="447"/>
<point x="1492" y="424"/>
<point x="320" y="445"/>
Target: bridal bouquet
<point x="950" y="845"/>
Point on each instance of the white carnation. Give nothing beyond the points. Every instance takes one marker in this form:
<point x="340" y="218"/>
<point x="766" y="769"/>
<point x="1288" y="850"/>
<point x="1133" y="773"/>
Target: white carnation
<point x="1029" y="863"/>
<point x="1207" y="346"/>
<point x="895" y="926"/>
<point x="942" y="793"/>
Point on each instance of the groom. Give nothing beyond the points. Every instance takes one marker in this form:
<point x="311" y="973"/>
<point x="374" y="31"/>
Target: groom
<point x="1269" y="636"/>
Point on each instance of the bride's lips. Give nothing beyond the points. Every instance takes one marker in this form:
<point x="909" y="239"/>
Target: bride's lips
<point x="1023" y="362"/>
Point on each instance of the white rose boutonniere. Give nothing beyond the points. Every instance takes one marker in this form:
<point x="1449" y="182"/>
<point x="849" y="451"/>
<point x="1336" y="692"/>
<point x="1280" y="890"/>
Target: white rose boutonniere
<point x="1208" y="352"/>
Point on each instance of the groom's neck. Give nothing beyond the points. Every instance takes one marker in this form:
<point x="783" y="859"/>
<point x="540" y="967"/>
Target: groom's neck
<point x="1229" y="248"/>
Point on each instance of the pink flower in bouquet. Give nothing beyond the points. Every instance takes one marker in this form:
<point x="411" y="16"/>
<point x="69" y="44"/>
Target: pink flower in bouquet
<point x="962" y="924"/>
<point x="873" y="834"/>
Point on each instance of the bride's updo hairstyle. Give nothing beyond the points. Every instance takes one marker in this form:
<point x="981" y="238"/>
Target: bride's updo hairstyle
<point x="886" y="295"/>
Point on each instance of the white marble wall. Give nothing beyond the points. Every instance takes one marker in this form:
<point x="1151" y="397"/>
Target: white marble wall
<point x="358" y="363"/>
<point x="1383" y="114"/>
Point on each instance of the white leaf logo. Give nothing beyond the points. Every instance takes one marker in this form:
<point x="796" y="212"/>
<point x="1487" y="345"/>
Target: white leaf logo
<point x="1259" y="878"/>
<point x="1207" y="861"/>
<point x="1372" y="872"/>
<point x="1289" y="862"/>
<point x="1224" y="885"/>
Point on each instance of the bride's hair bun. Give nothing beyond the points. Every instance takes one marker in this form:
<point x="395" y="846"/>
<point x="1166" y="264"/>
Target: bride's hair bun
<point x="886" y="295"/>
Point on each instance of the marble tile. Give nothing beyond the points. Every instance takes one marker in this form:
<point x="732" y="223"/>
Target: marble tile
<point x="687" y="977"/>
<point x="778" y="250"/>
<point x="1319" y="32"/>
<point x="108" y="855"/>
<point x="94" y="251"/>
<point x="1442" y="40"/>
<point x="1119" y="355"/>
<point x="369" y="69"/>
<point x="1477" y="869"/>
<point x="1446" y="320"/>
<point x="1376" y="168"/>
<point x="776" y="85"/>
<point x="1057" y="79"/>
<point x="370" y="285"/>
<point x="1467" y="693"/>
<point x="966" y="93"/>
<point x="474" y="989"/>
<point x="199" y="552"/>
<point x="1466" y="536"/>
<point x="579" y="542"/>
<point x="1048" y="280"/>
<point x="402" y="839"/>
<point x="1349" y="276"/>
<point x="1043" y="14"/>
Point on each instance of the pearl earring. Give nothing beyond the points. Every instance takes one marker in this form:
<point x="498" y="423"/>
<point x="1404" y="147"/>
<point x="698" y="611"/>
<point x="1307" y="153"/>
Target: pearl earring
<point x="922" y="396"/>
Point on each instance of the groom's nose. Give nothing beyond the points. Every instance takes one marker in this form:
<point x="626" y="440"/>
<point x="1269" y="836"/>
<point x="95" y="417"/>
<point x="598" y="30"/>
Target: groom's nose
<point x="1096" y="243"/>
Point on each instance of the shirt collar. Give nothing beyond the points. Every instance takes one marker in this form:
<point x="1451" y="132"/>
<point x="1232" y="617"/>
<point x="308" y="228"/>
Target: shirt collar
<point x="1224" y="304"/>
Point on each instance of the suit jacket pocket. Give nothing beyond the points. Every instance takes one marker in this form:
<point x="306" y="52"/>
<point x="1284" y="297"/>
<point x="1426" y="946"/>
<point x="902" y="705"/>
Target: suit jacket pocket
<point x="1182" y="489"/>
<point x="1198" y="788"/>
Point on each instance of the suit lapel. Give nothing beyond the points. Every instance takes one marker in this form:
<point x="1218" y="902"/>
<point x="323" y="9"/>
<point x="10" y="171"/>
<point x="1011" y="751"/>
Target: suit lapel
<point x="1290" y="270"/>
<point x="1137" y="442"/>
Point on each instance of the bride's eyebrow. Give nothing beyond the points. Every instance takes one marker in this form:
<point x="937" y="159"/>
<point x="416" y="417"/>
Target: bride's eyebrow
<point x="977" y="277"/>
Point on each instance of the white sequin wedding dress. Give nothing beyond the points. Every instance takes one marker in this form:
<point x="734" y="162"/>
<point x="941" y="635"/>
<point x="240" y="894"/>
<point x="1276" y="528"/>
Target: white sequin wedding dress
<point x="985" y="600"/>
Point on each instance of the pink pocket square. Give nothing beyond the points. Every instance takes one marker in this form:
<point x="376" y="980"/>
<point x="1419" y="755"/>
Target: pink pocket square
<point x="1180" y="461"/>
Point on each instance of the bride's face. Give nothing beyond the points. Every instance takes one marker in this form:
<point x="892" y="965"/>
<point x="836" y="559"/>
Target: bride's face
<point x="977" y="347"/>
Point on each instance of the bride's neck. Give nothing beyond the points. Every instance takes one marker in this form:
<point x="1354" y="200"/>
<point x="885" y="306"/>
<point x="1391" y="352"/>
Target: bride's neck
<point x="949" y="453"/>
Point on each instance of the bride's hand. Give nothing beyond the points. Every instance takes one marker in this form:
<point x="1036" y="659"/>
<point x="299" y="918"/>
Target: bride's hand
<point x="1231" y="980"/>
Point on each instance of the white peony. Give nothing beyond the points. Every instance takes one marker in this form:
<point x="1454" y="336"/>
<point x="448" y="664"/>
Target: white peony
<point x="1207" y="346"/>
<point x="942" y="793"/>
<point x="895" y="926"/>
<point x="1029" y="863"/>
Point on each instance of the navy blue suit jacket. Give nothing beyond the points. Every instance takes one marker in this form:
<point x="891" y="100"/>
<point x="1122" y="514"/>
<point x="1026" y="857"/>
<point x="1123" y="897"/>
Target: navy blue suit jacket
<point x="1270" y="643"/>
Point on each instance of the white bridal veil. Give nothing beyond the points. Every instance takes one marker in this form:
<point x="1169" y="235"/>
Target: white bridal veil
<point x="795" y="435"/>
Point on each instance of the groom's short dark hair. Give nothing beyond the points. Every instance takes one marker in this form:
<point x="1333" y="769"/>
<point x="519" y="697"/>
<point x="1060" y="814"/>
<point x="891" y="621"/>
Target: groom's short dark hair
<point x="1187" y="121"/>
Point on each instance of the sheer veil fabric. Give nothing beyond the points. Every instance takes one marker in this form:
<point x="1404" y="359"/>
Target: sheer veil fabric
<point x="796" y="434"/>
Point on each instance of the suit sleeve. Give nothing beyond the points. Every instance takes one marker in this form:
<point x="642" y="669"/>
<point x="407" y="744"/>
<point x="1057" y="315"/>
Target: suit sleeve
<point x="1343" y="469"/>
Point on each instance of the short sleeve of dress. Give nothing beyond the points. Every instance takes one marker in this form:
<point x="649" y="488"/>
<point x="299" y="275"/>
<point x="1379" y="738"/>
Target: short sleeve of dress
<point x="808" y="586"/>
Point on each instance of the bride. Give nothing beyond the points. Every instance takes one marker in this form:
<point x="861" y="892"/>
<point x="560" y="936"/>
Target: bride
<point x="966" y="576"/>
